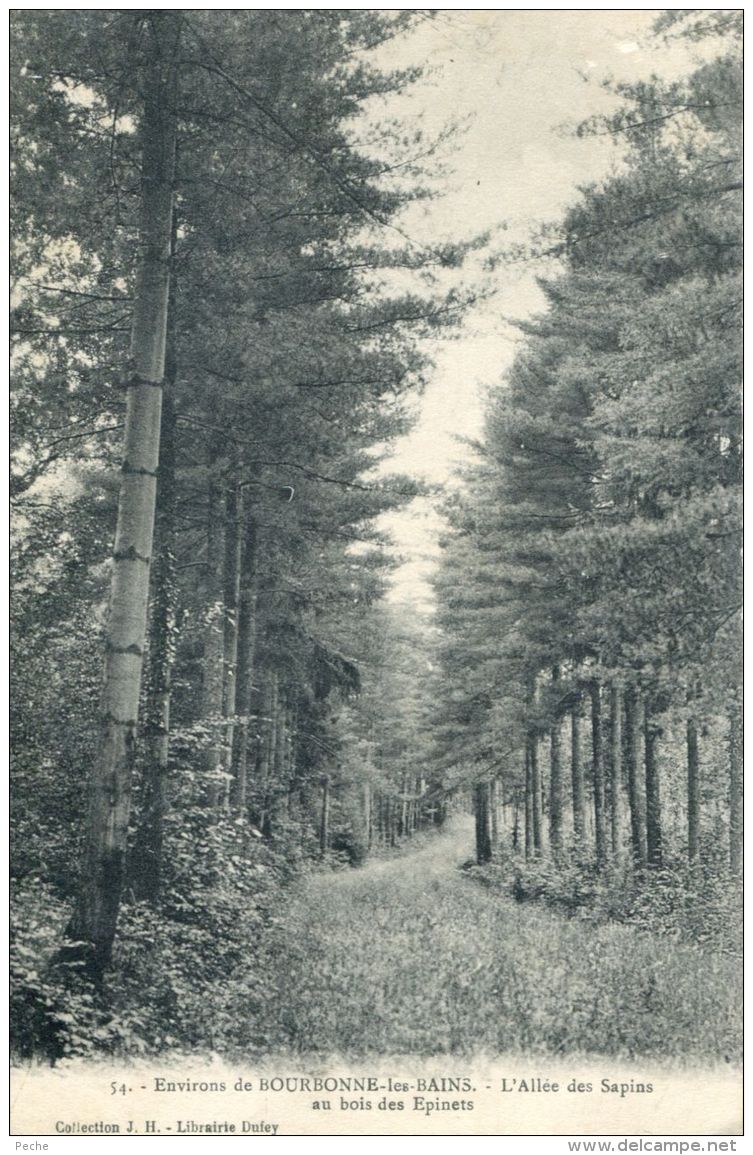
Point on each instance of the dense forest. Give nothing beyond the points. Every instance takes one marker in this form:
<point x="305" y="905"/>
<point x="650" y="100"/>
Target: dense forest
<point x="220" y="327"/>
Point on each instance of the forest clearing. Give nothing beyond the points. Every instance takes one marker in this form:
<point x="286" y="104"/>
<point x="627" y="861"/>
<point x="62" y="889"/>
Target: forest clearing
<point x="376" y="482"/>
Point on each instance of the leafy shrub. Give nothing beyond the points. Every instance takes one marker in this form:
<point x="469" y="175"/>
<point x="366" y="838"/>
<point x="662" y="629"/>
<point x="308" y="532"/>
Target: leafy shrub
<point x="53" y="1014"/>
<point x="699" y="903"/>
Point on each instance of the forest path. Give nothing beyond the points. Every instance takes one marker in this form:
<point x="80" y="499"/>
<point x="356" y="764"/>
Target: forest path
<point x="410" y="955"/>
<point x="384" y="956"/>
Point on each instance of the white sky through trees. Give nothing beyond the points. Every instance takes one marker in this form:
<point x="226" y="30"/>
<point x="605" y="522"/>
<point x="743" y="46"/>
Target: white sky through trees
<point x="518" y="81"/>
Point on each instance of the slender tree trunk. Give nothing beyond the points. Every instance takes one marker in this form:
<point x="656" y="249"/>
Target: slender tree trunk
<point x="653" y="792"/>
<point x="735" y="793"/>
<point x="291" y="742"/>
<point x="483" y="830"/>
<point x="270" y="756"/>
<point x="279" y="763"/>
<point x="95" y="915"/>
<point x="324" y="816"/>
<point x="615" y="766"/>
<point x="536" y="819"/>
<point x="367" y="814"/>
<point x="263" y="744"/>
<point x="233" y="567"/>
<point x="555" y="778"/>
<point x="403" y="820"/>
<point x="576" y="774"/>
<point x="244" y="691"/>
<point x="635" y="793"/>
<point x="146" y="858"/>
<point x="493" y="810"/>
<point x="544" y="799"/>
<point x="145" y="868"/>
<point x="213" y="684"/>
<point x="555" y="789"/>
<point x="694" y="799"/>
<point x="528" y="803"/>
<point x="597" y="744"/>
<point x="376" y="822"/>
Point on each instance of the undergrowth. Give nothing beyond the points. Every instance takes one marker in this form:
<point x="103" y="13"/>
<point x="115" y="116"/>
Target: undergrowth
<point x="700" y="904"/>
<point x="183" y="975"/>
<point x="408" y="955"/>
<point x="423" y="961"/>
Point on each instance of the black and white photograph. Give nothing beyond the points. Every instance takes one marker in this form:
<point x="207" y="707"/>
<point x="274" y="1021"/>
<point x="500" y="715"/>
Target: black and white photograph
<point x="375" y="574"/>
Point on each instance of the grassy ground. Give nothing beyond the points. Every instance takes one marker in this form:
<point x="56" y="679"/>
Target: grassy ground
<point x="410" y="956"/>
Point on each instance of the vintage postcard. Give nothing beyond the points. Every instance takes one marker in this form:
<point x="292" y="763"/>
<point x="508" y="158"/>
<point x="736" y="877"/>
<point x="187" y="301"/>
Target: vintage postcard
<point x="376" y="585"/>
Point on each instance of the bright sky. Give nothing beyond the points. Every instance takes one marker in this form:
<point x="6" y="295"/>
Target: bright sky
<point x="520" y="78"/>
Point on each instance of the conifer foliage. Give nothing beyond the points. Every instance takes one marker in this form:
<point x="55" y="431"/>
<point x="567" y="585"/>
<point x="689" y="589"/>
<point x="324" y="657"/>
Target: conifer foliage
<point x="213" y="295"/>
<point x="591" y="583"/>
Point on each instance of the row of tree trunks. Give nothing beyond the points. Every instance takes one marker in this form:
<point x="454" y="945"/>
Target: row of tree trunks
<point x="624" y="778"/>
<point x="389" y="818"/>
<point x="626" y="785"/>
<point x="229" y="660"/>
<point x="228" y="666"/>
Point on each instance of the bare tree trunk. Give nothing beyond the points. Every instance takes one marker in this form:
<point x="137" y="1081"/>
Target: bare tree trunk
<point x="324" y="816"/>
<point x="694" y="798"/>
<point x="597" y="744"/>
<point x="483" y="830"/>
<point x="233" y="562"/>
<point x="262" y="751"/>
<point x="214" y="640"/>
<point x="95" y="915"/>
<point x="403" y="822"/>
<point x="536" y="818"/>
<point x="635" y="793"/>
<point x="516" y="823"/>
<point x="244" y="690"/>
<point x="615" y="766"/>
<point x="576" y="774"/>
<point x="367" y="815"/>
<point x="279" y="763"/>
<point x="270" y="755"/>
<point x="528" y="803"/>
<point x="653" y="793"/>
<point x="735" y="793"/>
<point x="146" y="858"/>
<point x="493" y="812"/>
<point x="555" y="778"/>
